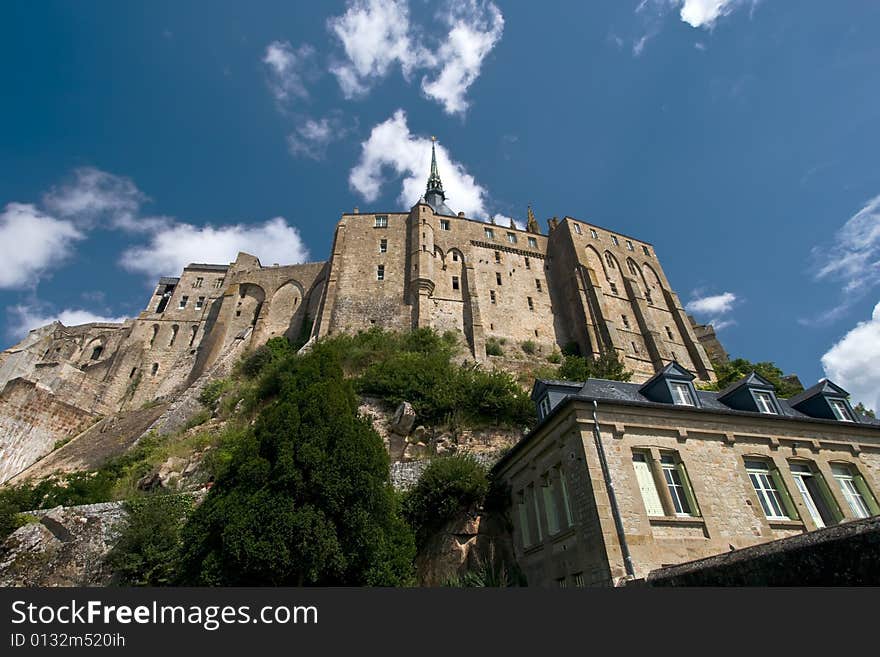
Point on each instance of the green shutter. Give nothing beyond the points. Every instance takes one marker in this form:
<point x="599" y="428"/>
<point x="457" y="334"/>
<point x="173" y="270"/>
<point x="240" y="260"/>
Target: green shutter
<point x="828" y="496"/>
<point x="862" y="487"/>
<point x="688" y="490"/>
<point x="790" y="508"/>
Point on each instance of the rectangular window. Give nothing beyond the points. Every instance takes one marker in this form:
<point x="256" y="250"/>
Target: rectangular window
<point x="511" y="237"/>
<point x="497" y="278"/>
<point x="594" y="234"/>
<point x="577" y="229"/>
<point x="625" y="321"/>
<point x="841" y="412"/>
<point x="669" y="333"/>
<point x="538" y="284"/>
<point x="531" y="303"/>
<point x="383" y="246"/>
<point x="629" y="245"/>
<point x="681" y="394"/>
<point x="566" y="503"/>
<point x="767" y="490"/>
<point x="635" y="347"/>
<point x="533" y="243"/>
<point x="678" y="491"/>
<point x="855" y="491"/>
<point x="578" y="580"/>
<point x="560" y="583"/>
<point x="550" y="510"/>
<point x="765" y="402"/>
<point x="444" y="224"/>
<point x="813" y="491"/>
<point x="183" y="301"/>
<point x="455" y="282"/>
<point x="647" y="486"/>
<point x="381" y="221"/>
<point x="646" y="250"/>
<point x="380" y="273"/>
<point x="198" y="282"/>
<point x="492" y="296"/>
<point x="615" y="241"/>
<point x="490" y="234"/>
<point x="455" y="256"/>
<point x="219" y="283"/>
<point x="523" y="514"/>
<point x="544" y="406"/>
<point x="200" y="303"/>
<point x="498" y="256"/>
<point x="648" y="297"/>
<point x="528" y="264"/>
<point x="537" y="515"/>
<point x="613" y="287"/>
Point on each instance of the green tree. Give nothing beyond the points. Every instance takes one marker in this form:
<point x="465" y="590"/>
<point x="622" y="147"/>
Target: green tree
<point x="581" y="368"/>
<point x="860" y="408"/>
<point x="306" y="499"/>
<point x="739" y="368"/>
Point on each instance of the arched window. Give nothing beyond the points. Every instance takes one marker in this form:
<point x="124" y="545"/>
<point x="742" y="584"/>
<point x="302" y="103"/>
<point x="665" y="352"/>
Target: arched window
<point x="154" y="369"/>
<point x="155" y="333"/>
<point x="192" y="335"/>
<point x="174" y="330"/>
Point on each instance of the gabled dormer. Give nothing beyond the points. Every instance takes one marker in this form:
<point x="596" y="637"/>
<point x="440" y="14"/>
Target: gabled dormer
<point x="825" y="400"/>
<point x="752" y="393"/>
<point x="548" y="394"/>
<point x="672" y="385"/>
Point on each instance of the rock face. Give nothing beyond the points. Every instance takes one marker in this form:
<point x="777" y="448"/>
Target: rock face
<point x="62" y="547"/>
<point x="404" y="419"/>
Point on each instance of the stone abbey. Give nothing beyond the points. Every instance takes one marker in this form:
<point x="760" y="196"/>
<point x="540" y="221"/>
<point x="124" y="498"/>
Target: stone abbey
<point x="429" y="267"/>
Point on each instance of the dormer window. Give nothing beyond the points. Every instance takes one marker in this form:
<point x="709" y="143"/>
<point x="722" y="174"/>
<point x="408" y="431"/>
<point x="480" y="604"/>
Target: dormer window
<point x="841" y="412"/>
<point x="681" y="394"/>
<point x="765" y="402"/>
<point x="544" y="406"/>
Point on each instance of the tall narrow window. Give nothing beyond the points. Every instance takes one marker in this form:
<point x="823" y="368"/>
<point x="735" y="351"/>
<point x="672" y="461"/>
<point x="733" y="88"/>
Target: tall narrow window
<point x="609" y="260"/>
<point x="566" y="503"/>
<point x="766" y="488"/>
<point x="648" y="297"/>
<point x="675" y="482"/>
<point x="183" y="301"/>
<point x="647" y="485"/>
<point x="613" y="287"/>
<point x="669" y="333"/>
<point x="528" y="264"/>
<point x="154" y="369"/>
<point x="192" y="334"/>
<point x="497" y="256"/>
<point x="537" y="515"/>
<point x="497" y="278"/>
<point x="577" y="229"/>
<point x="615" y="241"/>
<point x="200" y="303"/>
<point x="155" y="333"/>
<point x="594" y="234"/>
<point x="629" y="245"/>
<point x="523" y="514"/>
<point x="383" y="246"/>
<point x="380" y="272"/>
<point x="174" y="330"/>
<point x="455" y="282"/>
<point x="625" y="321"/>
<point x="632" y="267"/>
<point x="815" y="496"/>
<point x="455" y="256"/>
<point x="492" y="296"/>
<point x="538" y="284"/>
<point x="550" y="504"/>
<point x="859" y="498"/>
<point x="218" y="283"/>
<point x="646" y="250"/>
<point x="531" y="303"/>
<point x="198" y="282"/>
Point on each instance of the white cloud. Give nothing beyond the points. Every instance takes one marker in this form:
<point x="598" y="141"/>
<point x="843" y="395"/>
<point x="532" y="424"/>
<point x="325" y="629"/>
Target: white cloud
<point x="28" y="317"/>
<point x="32" y="243"/>
<point x="474" y="29"/>
<point x="504" y="220"/>
<point x="312" y="136"/>
<point x="375" y="35"/>
<point x="853" y="261"/>
<point x="854" y="361"/>
<point x="172" y="248"/>
<point x="713" y="305"/>
<point x="701" y="14"/>
<point x="378" y="35"/>
<point x="288" y="70"/>
<point x="95" y="196"/>
<point x="392" y="146"/>
<point x="704" y="13"/>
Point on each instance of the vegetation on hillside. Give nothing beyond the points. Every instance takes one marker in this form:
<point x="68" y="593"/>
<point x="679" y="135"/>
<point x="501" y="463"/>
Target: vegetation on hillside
<point x="575" y="367"/>
<point x="734" y="370"/>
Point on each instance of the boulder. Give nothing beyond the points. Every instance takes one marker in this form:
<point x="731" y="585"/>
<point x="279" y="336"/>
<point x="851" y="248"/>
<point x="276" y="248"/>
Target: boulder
<point x="404" y="419"/>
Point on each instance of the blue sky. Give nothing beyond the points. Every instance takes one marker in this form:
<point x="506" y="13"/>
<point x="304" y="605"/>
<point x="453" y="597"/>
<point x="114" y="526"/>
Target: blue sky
<point x="739" y="137"/>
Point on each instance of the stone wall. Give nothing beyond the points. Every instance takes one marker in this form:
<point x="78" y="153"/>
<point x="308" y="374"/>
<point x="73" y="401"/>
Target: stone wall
<point x="32" y="420"/>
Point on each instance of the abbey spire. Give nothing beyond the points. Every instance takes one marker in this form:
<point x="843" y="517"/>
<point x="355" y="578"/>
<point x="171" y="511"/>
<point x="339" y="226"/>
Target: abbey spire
<point x="434" y="194"/>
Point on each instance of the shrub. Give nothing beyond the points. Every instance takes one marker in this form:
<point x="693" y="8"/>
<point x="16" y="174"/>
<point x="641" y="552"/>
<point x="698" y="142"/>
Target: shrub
<point x="448" y="485"/>
<point x="606" y="366"/>
<point x="274" y="350"/>
<point x="529" y="347"/>
<point x="554" y="358"/>
<point x="493" y="347"/>
<point x="147" y="552"/>
<point x="211" y="392"/>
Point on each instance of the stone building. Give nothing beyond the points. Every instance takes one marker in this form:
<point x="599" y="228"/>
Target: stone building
<point x="621" y="479"/>
<point x="579" y="285"/>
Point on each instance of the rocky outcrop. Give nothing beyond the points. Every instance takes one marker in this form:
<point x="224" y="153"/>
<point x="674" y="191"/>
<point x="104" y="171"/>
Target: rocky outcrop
<point x="62" y="547"/>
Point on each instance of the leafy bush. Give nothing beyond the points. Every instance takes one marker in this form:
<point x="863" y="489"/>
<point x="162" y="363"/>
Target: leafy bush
<point x="555" y="358"/>
<point x="147" y="552"/>
<point x="212" y="391"/>
<point x="529" y="347"/>
<point x="739" y="368"/>
<point x="606" y="366"/>
<point x="448" y="485"/>
<point x="274" y="350"/>
<point x="493" y="347"/>
<point x="305" y="498"/>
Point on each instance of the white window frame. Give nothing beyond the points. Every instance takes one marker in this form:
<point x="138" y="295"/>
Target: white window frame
<point x="381" y="221"/>
<point x="629" y="246"/>
<point x="646" y="250"/>
<point x="200" y="303"/>
<point x="841" y="412"/>
<point x="676" y="487"/>
<point x="544" y="405"/>
<point x="615" y="241"/>
<point x="764" y="400"/>
<point x="681" y="394"/>
<point x="444" y="224"/>
<point x="533" y="243"/>
<point x="854" y="498"/>
<point x="765" y="488"/>
<point x="594" y="234"/>
<point x="490" y="234"/>
<point x="799" y="472"/>
<point x="511" y="237"/>
<point x="383" y="246"/>
<point x="380" y="272"/>
<point x="577" y="229"/>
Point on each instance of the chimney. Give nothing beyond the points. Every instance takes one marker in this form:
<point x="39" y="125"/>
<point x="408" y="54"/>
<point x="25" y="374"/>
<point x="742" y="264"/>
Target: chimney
<point x="356" y="210"/>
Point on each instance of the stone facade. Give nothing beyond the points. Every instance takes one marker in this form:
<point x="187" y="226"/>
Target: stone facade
<point x="565" y="532"/>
